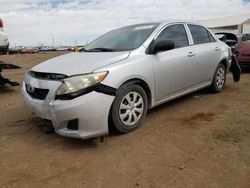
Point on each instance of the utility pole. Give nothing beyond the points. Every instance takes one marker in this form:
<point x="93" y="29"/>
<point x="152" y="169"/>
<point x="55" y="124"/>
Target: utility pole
<point x="53" y="40"/>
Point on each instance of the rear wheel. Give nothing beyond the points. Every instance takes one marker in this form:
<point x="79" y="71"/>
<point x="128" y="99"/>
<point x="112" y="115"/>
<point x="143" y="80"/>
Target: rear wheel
<point x="129" y="108"/>
<point x="219" y="79"/>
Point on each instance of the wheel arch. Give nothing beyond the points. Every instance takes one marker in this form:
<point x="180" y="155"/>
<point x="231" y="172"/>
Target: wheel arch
<point x="139" y="82"/>
<point x="144" y="85"/>
<point x="224" y="62"/>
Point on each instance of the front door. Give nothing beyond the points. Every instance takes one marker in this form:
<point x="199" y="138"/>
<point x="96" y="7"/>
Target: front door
<point x="174" y="69"/>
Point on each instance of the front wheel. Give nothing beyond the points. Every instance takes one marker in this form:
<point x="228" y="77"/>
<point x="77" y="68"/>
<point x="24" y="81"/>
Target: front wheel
<point x="219" y="79"/>
<point x="129" y="108"/>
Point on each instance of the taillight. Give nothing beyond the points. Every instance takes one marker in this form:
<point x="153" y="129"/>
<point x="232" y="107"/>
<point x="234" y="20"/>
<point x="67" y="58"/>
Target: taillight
<point x="1" y="23"/>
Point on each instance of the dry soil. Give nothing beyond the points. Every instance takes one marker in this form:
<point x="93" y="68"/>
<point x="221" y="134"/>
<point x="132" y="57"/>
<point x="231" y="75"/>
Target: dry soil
<point x="201" y="140"/>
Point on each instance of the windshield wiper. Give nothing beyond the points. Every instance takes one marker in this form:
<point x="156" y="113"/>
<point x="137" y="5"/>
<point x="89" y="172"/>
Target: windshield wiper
<point x="100" y="50"/>
<point x="83" y="50"/>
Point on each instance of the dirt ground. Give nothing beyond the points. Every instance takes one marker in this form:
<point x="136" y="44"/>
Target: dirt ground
<point x="201" y="140"/>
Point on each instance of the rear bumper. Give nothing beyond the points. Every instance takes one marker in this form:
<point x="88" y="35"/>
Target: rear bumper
<point x="91" y="111"/>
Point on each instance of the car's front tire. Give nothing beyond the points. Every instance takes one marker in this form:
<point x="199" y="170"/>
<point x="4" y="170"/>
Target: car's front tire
<point x="129" y="108"/>
<point x="219" y="79"/>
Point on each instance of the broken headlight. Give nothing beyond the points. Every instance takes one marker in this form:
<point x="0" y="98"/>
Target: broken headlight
<point x="79" y="84"/>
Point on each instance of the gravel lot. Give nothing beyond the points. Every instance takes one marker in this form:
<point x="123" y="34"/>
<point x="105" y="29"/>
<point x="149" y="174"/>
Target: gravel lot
<point x="201" y="140"/>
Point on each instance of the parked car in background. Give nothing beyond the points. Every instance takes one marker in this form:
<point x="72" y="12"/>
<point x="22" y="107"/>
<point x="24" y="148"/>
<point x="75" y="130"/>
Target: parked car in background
<point x="15" y="50"/>
<point x="242" y="51"/>
<point x="76" y="48"/>
<point x="116" y="78"/>
<point x="229" y="38"/>
<point x="5" y="81"/>
<point x="44" y="48"/>
<point x="4" y="41"/>
<point x="62" y="49"/>
<point x="29" y="50"/>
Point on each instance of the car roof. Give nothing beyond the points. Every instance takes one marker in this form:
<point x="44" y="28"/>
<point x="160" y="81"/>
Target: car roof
<point x="165" y="22"/>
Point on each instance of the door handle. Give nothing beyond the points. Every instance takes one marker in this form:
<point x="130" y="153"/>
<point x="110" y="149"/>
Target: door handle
<point x="217" y="48"/>
<point x="191" y="54"/>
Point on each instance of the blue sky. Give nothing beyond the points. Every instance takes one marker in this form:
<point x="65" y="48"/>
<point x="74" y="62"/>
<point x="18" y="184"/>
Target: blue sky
<point x="32" y="22"/>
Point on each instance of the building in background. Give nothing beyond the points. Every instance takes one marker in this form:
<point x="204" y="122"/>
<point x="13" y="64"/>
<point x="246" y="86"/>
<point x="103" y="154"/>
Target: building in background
<point x="239" y="24"/>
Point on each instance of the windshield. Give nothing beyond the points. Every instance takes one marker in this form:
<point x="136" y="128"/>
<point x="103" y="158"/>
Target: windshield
<point x="123" y="39"/>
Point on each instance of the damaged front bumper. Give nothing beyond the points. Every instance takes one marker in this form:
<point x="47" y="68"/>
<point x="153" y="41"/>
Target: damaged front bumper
<point x="83" y="117"/>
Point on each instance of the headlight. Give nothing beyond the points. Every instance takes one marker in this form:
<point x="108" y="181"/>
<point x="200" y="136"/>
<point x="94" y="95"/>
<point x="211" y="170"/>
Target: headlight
<point x="76" y="85"/>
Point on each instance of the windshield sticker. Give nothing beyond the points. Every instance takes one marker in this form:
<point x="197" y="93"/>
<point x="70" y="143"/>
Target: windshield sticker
<point x="144" y="27"/>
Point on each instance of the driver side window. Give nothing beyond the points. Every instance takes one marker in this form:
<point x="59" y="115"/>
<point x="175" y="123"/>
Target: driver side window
<point x="176" y="33"/>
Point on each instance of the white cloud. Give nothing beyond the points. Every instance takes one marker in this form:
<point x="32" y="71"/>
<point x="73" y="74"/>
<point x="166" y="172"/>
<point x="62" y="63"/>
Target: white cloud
<point x="30" y="22"/>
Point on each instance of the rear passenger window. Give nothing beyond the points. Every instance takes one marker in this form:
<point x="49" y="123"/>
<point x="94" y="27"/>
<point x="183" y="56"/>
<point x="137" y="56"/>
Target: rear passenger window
<point x="200" y="34"/>
<point x="211" y="38"/>
<point x="177" y="33"/>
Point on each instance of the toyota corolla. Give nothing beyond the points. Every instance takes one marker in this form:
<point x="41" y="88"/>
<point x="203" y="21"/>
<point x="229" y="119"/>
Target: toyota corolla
<point x="119" y="76"/>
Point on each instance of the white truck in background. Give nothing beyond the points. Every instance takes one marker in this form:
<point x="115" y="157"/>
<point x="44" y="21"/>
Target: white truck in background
<point x="4" y="41"/>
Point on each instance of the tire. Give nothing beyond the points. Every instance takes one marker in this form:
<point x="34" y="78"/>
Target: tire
<point x="219" y="79"/>
<point x="129" y="108"/>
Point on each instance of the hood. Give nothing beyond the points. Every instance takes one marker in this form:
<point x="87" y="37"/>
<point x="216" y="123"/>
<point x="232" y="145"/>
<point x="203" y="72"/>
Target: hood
<point x="243" y="46"/>
<point x="79" y="62"/>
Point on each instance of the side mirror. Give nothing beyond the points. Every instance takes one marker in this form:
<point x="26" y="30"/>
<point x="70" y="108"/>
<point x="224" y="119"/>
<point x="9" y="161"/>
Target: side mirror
<point x="163" y="45"/>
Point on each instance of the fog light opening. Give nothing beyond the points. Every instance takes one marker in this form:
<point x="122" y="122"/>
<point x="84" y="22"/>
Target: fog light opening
<point x="73" y="124"/>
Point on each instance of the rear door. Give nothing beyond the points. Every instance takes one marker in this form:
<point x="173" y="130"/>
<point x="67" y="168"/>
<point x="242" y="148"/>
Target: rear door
<point x="207" y="53"/>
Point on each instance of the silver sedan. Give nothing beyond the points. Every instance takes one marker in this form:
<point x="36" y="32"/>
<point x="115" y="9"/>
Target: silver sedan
<point x="116" y="78"/>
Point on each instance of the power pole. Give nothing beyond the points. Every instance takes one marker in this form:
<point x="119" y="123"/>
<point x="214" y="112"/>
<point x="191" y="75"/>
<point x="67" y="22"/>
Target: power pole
<point x="53" y="40"/>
